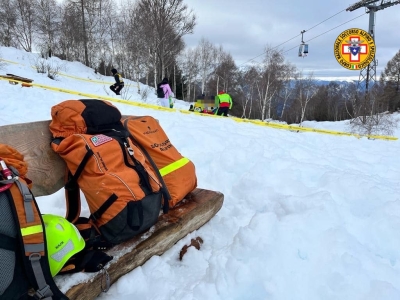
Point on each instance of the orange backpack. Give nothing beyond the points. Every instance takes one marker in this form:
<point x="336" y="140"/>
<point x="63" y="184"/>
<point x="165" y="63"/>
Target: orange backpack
<point x="24" y="263"/>
<point x="122" y="190"/>
<point x="177" y="172"/>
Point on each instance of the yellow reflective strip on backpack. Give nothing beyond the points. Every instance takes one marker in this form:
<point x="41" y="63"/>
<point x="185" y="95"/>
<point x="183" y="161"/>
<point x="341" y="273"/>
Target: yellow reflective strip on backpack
<point x="174" y="166"/>
<point x="31" y="230"/>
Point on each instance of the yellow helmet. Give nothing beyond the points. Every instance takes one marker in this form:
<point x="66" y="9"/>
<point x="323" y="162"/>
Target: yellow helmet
<point x="63" y="241"/>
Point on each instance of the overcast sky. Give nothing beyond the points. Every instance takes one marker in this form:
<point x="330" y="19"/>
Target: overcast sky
<point x="245" y="28"/>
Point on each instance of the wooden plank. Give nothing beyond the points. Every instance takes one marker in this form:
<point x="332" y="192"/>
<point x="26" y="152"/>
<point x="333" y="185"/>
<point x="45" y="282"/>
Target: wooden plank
<point x="16" y="77"/>
<point x="11" y="79"/>
<point x="196" y="210"/>
<point x="45" y="168"/>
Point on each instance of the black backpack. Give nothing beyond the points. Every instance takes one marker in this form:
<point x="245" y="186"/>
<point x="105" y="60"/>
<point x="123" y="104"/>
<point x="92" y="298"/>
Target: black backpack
<point x="160" y="91"/>
<point x="24" y="267"/>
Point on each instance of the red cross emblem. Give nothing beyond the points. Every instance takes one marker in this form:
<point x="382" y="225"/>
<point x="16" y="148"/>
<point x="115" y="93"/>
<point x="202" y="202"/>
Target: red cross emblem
<point x="354" y="48"/>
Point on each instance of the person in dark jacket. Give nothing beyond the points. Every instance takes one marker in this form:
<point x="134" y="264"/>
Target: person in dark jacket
<point x="119" y="82"/>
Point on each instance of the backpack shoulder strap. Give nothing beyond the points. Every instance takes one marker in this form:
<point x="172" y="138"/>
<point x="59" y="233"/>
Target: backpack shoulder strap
<point x="72" y="190"/>
<point x="33" y="240"/>
<point x="72" y="198"/>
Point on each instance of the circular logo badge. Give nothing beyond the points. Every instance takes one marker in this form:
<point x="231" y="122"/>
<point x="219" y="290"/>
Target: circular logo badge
<point x="354" y="49"/>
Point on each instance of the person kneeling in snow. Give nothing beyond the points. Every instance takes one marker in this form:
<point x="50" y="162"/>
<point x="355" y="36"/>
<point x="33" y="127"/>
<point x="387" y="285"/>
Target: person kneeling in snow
<point x="119" y="82"/>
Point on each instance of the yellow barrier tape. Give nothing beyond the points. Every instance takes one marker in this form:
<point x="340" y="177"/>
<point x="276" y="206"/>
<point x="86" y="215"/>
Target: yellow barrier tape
<point x="85" y="79"/>
<point x="93" y="96"/>
<point x="31" y="230"/>
<point x="306" y="129"/>
<point x="255" y="122"/>
<point x="91" y="80"/>
<point x="9" y="61"/>
<point x="70" y="76"/>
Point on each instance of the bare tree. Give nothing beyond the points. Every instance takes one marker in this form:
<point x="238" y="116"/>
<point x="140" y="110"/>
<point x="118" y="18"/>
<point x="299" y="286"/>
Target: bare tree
<point x="306" y="89"/>
<point x="80" y="8"/>
<point x="165" y="22"/>
<point x="100" y="16"/>
<point x="85" y="39"/>
<point x="47" y="22"/>
<point x="86" y="30"/>
<point x="379" y="124"/>
<point x="189" y="63"/>
<point x="286" y="88"/>
<point x="390" y="79"/>
<point x="2" y="63"/>
<point x="333" y="101"/>
<point x="135" y="45"/>
<point x="139" y="41"/>
<point x="248" y="79"/>
<point x="8" y="20"/>
<point x="350" y="100"/>
<point x="225" y="71"/>
<point x="376" y="121"/>
<point x="273" y="72"/>
<point x="24" y="27"/>
<point x="70" y="41"/>
<point x="207" y="61"/>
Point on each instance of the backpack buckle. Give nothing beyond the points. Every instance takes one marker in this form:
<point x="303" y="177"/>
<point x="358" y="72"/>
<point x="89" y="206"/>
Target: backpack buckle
<point x="43" y="292"/>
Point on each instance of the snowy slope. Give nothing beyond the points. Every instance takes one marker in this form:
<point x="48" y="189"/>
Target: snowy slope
<point x="306" y="215"/>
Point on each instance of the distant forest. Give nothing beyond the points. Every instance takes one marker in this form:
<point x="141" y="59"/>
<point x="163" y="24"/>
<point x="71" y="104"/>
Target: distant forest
<point x="143" y="39"/>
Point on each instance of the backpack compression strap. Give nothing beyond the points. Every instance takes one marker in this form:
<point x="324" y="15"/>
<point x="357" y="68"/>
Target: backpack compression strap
<point x="33" y="239"/>
<point x="164" y="188"/>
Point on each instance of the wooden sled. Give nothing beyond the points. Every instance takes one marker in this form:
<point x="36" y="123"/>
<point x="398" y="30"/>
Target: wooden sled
<point x="15" y="79"/>
<point x="46" y="169"/>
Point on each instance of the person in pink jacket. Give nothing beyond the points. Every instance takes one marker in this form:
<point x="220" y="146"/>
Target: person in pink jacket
<point x="164" y="92"/>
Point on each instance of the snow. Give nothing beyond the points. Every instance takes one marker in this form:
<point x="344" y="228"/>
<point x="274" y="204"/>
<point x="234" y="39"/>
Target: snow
<point x="306" y="215"/>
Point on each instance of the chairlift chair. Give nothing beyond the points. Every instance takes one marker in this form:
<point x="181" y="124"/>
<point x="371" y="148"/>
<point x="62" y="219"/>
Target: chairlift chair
<point x="303" y="49"/>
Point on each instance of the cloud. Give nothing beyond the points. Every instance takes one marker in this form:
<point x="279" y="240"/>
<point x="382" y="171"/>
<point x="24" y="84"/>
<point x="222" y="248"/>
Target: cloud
<point x="245" y="28"/>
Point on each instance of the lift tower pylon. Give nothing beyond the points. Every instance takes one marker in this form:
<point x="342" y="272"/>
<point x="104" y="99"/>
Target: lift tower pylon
<point x="368" y="74"/>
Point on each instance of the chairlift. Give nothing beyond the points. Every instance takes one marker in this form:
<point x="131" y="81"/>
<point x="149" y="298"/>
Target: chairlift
<point x="303" y="49"/>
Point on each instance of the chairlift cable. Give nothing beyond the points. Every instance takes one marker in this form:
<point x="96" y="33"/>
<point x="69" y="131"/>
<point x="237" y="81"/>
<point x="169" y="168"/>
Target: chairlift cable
<point x="336" y="27"/>
<point x="326" y="31"/>
<point x="326" y="19"/>
<point x="293" y="37"/>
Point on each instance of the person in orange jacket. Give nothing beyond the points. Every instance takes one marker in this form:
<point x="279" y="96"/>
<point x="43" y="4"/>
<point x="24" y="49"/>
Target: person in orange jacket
<point x="225" y="103"/>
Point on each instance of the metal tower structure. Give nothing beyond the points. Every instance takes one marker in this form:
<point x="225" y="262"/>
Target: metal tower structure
<point x="368" y="74"/>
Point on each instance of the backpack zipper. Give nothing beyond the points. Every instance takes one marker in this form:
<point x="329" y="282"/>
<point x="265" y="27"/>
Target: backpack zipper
<point x="131" y="154"/>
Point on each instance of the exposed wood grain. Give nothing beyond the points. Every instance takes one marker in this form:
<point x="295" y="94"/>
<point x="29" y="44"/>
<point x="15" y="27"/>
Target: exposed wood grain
<point x="199" y="207"/>
<point x="45" y="168"/>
